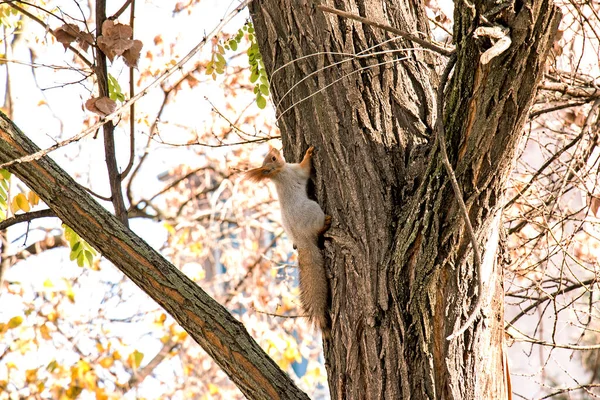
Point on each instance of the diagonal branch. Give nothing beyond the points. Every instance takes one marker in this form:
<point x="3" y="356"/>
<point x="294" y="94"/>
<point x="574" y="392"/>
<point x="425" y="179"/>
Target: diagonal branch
<point x="222" y="336"/>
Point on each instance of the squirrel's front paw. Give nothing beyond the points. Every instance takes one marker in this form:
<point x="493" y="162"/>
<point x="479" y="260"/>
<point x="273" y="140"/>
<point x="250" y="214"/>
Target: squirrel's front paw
<point x="310" y="151"/>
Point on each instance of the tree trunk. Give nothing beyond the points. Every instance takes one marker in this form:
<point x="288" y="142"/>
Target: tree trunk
<point x="399" y="258"/>
<point x="208" y="323"/>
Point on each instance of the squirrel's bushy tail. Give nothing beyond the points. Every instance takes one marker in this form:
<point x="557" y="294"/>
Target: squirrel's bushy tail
<point x="314" y="290"/>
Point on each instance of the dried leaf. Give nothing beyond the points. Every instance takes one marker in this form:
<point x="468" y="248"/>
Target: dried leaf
<point x="67" y="34"/>
<point x="116" y="31"/>
<point x="102" y="106"/>
<point x="105" y="44"/>
<point x="131" y="56"/>
<point x="594" y="204"/>
<point x="84" y="40"/>
<point x="115" y="39"/>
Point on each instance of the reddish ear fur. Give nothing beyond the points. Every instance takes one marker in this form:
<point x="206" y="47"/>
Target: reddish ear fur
<point x="257" y="174"/>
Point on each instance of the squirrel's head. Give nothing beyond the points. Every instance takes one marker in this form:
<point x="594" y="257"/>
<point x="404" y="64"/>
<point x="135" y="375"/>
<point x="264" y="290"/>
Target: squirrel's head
<point x="272" y="165"/>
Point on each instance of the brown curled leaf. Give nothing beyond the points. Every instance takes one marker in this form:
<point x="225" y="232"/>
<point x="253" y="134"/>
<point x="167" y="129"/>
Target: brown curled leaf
<point x="101" y="105"/>
<point x="116" y="40"/>
<point x="131" y="56"/>
<point x="67" y="34"/>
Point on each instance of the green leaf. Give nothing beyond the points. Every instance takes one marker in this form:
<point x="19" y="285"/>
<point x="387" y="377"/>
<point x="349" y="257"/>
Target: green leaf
<point x="254" y="76"/>
<point x="5" y="174"/>
<point x="233" y="44"/>
<point x="89" y="257"/>
<point x="114" y="89"/>
<point x="52" y="365"/>
<point x="137" y="358"/>
<point x="264" y="89"/>
<point x="261" y="102"/>
<point x="80" y="260"/>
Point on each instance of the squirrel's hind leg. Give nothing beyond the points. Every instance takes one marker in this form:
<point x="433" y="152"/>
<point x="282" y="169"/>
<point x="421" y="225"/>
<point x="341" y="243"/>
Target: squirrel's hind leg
<point x="326" y="225"/>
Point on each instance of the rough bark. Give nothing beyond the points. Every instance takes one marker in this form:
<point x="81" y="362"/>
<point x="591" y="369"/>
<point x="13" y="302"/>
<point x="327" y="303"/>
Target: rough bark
<point x="208" y="323"/>
<point x="399" y="258"/>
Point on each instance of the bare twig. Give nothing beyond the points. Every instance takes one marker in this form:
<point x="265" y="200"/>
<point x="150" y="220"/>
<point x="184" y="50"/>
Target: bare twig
<point x="142" y="373"/>
<point x="42" y="23"/>
<point x="131" y="94"/>
<point x="111" y="117"/>
<point x="122" y="10"/>
<point x="17" y="219"/>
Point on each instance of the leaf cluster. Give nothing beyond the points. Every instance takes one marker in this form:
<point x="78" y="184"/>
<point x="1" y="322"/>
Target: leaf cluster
<point x="80" y="249"/>
<point x="258" y="74"/>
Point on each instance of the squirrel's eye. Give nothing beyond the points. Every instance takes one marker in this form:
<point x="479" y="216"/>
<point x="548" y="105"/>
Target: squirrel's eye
<point x="273" y="158"/>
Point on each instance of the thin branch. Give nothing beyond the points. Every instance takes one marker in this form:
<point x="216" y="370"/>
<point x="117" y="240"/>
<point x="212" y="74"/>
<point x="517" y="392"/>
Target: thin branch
<point x="428" y="45"/>
<point x="131" y="94"/>
<point x="47" y="28"/>
<point x="116" y="114"/>
<point x="50" y="242"/>
<point x="139" y="376"/>
<point x="27" y="217"/>
<point x="114" y="177"/>
<point x="571" y="389"/>
<point x="562" y="291"/>
<point x="122" y="10"/>
<point x="575" y="91"/>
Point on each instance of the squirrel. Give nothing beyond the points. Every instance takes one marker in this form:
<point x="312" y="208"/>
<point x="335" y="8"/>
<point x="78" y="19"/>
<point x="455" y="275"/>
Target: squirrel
<point x="304" y="222"/>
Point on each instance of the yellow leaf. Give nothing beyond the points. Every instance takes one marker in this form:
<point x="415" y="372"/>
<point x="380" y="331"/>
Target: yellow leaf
<point x="33" y="198"/>
<point x="116" y="355"/>
<point x="107" y="362"/>
<point x="52" y="316"/>
<point x="101" y="394"/>
<point x="14" y="207"/>
<point x="15" y="321"/>
<point x="213" y="389"/>
<point x="169" y="228"/>
<point x="48" y="283"/>
<point x="22" y="202"/>
<point x="45" y="332"/>
<point x="31" y="375"/>
<point x="90" y="380"/>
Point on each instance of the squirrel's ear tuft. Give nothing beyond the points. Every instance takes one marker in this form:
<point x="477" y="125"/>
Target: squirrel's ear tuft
<point x="257" y="174"/>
